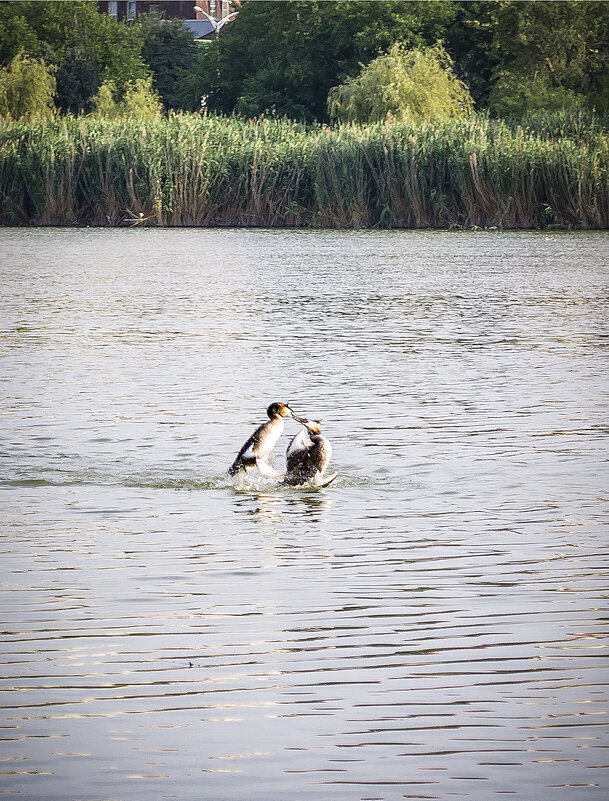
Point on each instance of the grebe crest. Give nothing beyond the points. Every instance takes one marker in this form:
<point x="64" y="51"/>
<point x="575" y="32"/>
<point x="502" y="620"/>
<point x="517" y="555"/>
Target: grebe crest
<point x="279" y="410"/>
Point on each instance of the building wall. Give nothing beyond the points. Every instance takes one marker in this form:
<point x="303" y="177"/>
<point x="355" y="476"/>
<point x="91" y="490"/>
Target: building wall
<point x="219" y="9"/>
<point x="182" y="9"/>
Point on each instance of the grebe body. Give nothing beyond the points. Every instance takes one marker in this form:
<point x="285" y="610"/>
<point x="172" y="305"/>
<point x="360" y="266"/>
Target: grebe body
<point x="258" y="449"/>
<point x="307" y="457"/>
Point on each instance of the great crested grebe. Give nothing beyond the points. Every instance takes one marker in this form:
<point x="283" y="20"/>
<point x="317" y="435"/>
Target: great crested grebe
<point x="308" y="455"/>
<point x="259" y="447"/>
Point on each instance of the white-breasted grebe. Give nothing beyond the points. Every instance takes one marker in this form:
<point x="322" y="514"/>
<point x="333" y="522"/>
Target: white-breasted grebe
<point x="308" y="456"/>
<point x="258" y="449"/>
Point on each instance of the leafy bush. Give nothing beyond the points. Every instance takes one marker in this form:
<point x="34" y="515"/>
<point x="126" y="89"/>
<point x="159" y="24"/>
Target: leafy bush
<point x="140" y="100"/>
<point x="514" y="95"/>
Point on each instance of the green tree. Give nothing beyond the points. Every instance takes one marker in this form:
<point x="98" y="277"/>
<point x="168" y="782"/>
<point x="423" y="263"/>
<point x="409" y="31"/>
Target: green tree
<point x="26" y="88"/>
<point x="477" y="46"/>
<point x="77" y="80"/>
<point x="191" y="86"/>
<point x="416" y="85"/>
<point x="86" y="46"/>
<point x="553" y="55"/>
<point x="118" y="49"/>
<point x="16" y="34"/>
<point x="285" y="57"/>
<point x="170" y="52"/>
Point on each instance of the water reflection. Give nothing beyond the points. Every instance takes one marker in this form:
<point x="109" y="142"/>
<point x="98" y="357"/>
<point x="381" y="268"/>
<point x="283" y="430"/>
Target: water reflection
<point x="430" y="625"/>
<point x="272" y="508"/>
<point x="266" y="508"/>
<point x="313" y="506"/>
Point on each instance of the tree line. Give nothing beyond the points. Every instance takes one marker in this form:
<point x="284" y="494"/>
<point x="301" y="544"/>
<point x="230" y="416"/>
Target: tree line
<point x="309" y="61"/>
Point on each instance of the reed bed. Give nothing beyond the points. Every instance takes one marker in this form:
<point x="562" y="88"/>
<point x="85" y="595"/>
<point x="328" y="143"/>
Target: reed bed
<point x="192" y="170"/>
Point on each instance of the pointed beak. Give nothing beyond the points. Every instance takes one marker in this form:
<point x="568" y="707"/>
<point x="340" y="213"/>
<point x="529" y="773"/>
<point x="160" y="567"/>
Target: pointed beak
<point x="296" y="417"/>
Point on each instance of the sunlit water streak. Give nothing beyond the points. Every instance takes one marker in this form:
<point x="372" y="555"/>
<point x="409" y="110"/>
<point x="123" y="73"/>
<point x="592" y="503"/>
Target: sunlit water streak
<point x="433" y="625"/>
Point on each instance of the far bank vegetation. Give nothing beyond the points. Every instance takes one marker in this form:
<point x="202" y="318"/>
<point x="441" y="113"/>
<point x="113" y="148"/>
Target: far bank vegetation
<point x="89" y="134"/>
<point x="205" y="170"/>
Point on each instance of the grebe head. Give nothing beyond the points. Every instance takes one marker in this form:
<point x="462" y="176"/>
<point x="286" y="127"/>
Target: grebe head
<point x="279" y="410"/>
<point x="312" y="426"/>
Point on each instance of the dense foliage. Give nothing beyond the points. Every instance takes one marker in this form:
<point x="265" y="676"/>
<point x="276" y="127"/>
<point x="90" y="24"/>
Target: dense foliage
<point x="515" y="57"/>
<point x="283" y="58"/>
<point x="206" y="170"/>
<point x="171" y="53"/>
<point x="86" y="47"/>
<point x="559" y="53"/>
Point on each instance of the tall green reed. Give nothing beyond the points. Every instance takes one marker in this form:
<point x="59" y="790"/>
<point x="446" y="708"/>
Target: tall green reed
<point x="211" y="171"/>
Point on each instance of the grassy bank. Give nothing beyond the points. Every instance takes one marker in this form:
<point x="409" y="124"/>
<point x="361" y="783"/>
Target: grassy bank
<point x="210" y="171"/>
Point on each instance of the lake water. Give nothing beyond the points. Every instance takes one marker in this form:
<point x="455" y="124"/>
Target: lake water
<point x="432" y="626"/>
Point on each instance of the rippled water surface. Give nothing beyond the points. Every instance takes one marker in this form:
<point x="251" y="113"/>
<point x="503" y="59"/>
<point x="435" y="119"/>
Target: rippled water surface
<point x="433" y="625"/>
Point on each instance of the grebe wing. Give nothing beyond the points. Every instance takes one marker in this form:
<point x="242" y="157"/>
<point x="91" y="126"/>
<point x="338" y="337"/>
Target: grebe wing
<point x="326" y="481"/>
<point x="299" y="442"/>
<point x="246" y="456"/>
<point x="301" y="467"/>
<point x="297" y="449"/>
<point x="267" y="470"/>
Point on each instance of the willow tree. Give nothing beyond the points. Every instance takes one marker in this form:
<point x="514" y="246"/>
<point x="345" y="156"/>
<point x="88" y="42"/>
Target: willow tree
<point x="407" y="84"/>
<point x="26" y="88"/>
